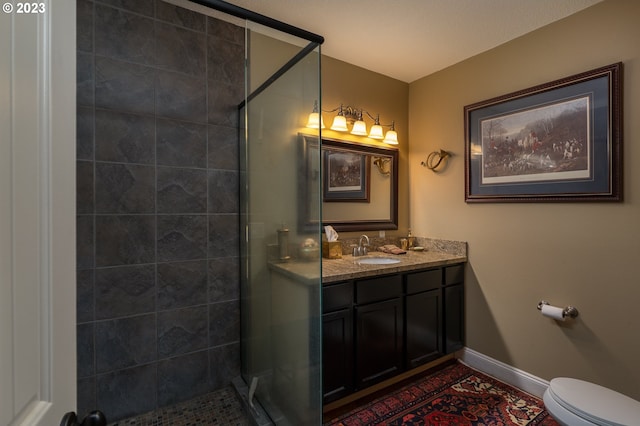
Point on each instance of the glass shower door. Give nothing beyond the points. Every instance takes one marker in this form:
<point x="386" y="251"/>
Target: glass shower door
<point x="280" y="293"/>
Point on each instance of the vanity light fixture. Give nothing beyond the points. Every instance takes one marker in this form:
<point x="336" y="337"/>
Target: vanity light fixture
<point x="354" y="116"/>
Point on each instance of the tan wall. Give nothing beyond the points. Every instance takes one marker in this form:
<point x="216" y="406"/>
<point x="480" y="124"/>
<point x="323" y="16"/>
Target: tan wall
<point x="350" y="85"/>
<point x="583" y="254"/>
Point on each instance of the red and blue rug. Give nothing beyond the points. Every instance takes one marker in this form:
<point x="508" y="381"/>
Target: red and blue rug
<point x="456" y="395"/>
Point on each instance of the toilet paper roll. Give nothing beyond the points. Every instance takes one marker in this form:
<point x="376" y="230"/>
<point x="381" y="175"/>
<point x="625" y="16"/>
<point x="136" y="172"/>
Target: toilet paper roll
<point x="553" y="312"/>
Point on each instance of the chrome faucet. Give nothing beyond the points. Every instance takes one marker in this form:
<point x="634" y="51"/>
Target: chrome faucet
<point x="361" y="249"/>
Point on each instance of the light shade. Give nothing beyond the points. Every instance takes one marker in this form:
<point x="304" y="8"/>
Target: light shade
<point x="339" y="123"/>
<point x="391" y="138"/>
<point x="376" y="132"/>
<point x="315" y="121"/>
<point x="359" y="128"/>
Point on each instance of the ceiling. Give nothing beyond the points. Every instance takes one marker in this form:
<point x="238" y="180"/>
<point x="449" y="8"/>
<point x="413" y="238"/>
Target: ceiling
<point x="409" y="39"/>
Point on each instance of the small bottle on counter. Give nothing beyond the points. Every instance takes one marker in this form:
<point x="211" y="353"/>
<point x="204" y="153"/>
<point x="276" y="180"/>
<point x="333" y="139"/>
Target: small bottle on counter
<point x="410" y="240"/>
<point x="283" y="243"/>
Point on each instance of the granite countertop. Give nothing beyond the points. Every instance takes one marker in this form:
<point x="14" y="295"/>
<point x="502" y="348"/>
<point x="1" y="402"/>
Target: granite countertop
<point x="436" y="253"/>
<point x="334" y="270"/>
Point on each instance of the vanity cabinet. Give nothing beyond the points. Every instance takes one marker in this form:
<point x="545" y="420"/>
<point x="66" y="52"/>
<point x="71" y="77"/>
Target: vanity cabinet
<point x="453" y="299"/>
<point x="424" y="317"/>
<point x="379" y="329"/>
<point x="337" y="340"/>
<point x="376" y="328"/>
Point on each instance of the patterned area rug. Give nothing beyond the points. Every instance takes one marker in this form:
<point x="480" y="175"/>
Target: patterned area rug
<point x="456" y="395"/>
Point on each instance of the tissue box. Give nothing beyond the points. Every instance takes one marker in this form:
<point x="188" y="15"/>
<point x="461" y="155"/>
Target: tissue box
<point x="332" y="249"/>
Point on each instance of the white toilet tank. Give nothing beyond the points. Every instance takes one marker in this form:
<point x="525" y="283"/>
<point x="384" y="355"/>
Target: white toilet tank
<point x="595" y="404"/>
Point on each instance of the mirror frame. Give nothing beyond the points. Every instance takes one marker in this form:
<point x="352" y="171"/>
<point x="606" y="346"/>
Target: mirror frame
<point x="305" y="223"/>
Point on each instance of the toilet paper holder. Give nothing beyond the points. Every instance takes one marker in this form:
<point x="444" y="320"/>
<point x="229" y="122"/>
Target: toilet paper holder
<point x="569" y="311"/>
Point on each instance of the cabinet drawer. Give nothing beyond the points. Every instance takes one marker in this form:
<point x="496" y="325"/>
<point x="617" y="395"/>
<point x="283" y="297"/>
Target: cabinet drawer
<point x="454" y="274"/>
<point x="423" y="281"/>
<point x="379" y="288"/>
<point x="337" y="296"/>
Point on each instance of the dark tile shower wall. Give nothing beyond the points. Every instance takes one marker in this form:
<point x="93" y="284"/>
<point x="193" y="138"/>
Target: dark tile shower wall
<point x="157" y="204"/>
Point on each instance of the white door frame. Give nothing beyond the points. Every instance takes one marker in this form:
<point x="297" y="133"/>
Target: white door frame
<point x="37" y="213"/>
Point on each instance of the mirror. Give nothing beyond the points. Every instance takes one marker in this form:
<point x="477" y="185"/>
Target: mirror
<point x="359" y="188"/>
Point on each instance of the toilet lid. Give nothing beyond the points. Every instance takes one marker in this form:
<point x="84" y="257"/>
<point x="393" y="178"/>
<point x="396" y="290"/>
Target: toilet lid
<point x="598" y="404"/>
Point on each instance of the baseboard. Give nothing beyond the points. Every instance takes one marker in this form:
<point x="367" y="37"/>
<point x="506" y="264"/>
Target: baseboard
<point x="503" y="372"/>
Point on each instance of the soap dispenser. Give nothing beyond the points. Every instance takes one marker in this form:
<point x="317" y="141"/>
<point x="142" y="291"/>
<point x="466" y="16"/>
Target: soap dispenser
<point x="410" y="240"/>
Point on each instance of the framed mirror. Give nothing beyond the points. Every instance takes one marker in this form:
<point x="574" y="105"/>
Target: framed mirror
<point x="359" y="190"/>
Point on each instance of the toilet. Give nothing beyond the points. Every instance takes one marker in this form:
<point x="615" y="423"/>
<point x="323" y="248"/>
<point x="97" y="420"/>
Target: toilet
<point x="575" y="402"/>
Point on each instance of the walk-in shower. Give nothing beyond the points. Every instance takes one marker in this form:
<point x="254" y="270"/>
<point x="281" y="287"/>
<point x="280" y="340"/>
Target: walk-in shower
<point x="188" y="116"/>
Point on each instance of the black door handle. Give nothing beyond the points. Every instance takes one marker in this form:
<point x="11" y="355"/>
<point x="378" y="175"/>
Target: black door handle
<point x="94" y="418"/>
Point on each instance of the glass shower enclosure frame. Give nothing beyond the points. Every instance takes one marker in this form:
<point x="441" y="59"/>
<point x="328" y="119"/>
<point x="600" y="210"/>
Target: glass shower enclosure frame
<point x="280" y="307"/>
<point x="280" y="292"/>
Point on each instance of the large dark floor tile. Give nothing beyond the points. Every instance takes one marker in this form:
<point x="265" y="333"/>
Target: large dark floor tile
<point x="181" y="190"/>
<point x="125" y="240"/>
<point x="125" y="290"/>
<point x="178" y="49"/>
<point x="180" y="96"/>
<point x="123" y="393"/>
<point x="182" y="284"/>
<point x="125" y="138"/>
<point x="123" y="35"/>
<point x="224" y="240"/>
<point x="182" y="378"/>
<point x="125" y="188"/>
<point x="125" y="342"/>
<point x="182" y="237"/>
<point x="224" y="323"/>
<point x="182" y="330"/>
<point x="180" y="16"/>
<point x="224" y="279"/>
<point x="124" y="86"/>
<point x="181" y="143"/>
<point x="224" y="364"/>
<point x="223" y="191"/>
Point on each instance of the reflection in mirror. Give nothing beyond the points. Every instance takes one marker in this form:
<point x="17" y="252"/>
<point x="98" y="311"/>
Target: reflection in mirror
<point x="359" y="185"/>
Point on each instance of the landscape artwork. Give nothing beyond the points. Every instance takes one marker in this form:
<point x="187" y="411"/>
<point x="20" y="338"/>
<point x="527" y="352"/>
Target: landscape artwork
<point x="544" y="143"/>
<point x="344" y="171"/>
<point x="346" y="176"/>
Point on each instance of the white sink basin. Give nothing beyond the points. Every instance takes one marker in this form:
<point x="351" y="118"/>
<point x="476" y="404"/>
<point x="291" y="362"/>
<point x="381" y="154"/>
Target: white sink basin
<point x="377" y="261"/>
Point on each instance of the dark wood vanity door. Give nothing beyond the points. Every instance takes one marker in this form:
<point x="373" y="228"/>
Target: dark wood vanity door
<point x="423" y="327"/>
<point x="337" y="354"/>
<point x="453" y="308"/>
<point x="379" y="337"/>
<point x="453" y="318"/>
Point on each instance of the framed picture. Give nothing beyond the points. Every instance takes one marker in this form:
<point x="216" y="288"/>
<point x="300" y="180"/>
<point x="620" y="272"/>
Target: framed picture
<point x="346" y="175"/>
<point x="560" y="141"/>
